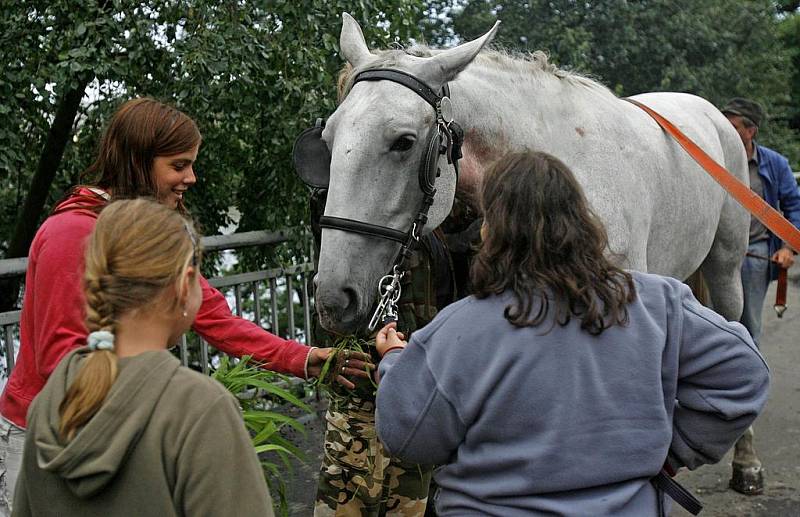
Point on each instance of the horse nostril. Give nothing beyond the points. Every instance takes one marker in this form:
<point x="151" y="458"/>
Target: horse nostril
<point x="350" y="299"/>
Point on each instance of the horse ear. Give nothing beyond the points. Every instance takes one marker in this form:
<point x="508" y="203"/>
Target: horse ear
<point x="351" y="41"/>
<point x="450" y="63"/>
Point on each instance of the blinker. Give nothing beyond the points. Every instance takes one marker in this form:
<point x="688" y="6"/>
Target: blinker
<point x="312" y="158"/>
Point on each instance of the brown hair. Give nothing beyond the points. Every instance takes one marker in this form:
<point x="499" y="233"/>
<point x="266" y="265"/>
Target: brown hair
<point x="137" y="251"/>
<point x="541" y="240"/>
<point x="140" y="130"/>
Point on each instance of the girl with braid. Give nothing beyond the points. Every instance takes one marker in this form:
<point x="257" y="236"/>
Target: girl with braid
<point x="120" y="424"/>
<point x="148" y="150"/>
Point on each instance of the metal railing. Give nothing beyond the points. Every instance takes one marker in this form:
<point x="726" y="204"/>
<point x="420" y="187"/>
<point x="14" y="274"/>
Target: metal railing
<point x="276" y="299"/>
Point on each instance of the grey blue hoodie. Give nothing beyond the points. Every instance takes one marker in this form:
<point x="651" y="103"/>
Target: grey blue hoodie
<point x="167" y="441"/>
<point x="526" y="421"/>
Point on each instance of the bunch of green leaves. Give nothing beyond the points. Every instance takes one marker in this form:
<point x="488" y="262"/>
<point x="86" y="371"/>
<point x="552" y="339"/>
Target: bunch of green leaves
<point x="329" y="372"/>
<point x="260" y="394"/>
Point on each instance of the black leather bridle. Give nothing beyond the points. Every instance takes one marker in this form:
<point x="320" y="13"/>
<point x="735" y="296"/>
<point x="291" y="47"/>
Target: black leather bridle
<point x="311" y="158"/>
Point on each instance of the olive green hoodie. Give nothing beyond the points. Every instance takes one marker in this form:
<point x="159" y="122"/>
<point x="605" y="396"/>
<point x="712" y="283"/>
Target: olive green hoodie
<point x="167" y="441"/>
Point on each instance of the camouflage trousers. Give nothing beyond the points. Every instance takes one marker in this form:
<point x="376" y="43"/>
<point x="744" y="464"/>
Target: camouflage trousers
<point x="357" y="477"/>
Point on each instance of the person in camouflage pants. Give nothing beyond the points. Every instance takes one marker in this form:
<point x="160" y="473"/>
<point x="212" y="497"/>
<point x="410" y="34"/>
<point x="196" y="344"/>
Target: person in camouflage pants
<point x="357" y="477"/>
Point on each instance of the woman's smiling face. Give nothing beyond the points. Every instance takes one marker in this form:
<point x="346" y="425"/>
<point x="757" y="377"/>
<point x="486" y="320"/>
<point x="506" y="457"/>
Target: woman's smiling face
<point x="174" y="175"/>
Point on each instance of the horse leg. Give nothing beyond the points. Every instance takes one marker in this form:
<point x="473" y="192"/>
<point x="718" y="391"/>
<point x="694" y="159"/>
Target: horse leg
<point x="748" y="476"/>
<point x="721" y="272"/>
<point x="722" y="267"/>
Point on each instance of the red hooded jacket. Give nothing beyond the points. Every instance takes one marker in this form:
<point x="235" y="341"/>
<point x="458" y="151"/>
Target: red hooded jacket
<point x="53" y="311"/>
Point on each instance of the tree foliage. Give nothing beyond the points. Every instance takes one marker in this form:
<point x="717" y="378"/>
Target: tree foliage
<point x="252" y="74"/>
<point x="717" y="49"/>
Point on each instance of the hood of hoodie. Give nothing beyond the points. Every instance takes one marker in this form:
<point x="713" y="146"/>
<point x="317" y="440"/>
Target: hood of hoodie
<point x="99" y="449"/>
<point x="85" y="199"/>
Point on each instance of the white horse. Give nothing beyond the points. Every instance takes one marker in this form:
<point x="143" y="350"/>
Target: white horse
<point x="663" y="213"/>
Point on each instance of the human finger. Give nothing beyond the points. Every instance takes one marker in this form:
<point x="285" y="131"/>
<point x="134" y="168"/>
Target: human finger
<point x="356" y="364"/>
<point x="355" y="372"/>
<point x="358" y="356"/>
<point x="345" y="382"/>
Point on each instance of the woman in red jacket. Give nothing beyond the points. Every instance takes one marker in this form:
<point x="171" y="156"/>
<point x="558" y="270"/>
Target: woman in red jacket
<point x="148" y="149"/>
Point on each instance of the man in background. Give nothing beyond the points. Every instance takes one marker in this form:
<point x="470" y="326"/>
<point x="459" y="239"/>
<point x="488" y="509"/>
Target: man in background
<point x="772" y="179"/>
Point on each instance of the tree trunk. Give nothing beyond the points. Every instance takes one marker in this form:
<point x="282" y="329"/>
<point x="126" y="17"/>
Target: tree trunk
<point x="49" y="163"/>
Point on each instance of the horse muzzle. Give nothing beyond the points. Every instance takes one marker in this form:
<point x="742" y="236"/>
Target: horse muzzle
<point x="338" y="308"/>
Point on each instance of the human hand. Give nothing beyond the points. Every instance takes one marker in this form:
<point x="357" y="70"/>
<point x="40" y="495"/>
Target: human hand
<point x="388" y="338"/>
<point x="348" y="363"/>
<point x="784" y="257"/>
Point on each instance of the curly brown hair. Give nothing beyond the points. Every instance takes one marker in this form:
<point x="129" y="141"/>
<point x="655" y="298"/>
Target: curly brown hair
<point x="541" y="241"/>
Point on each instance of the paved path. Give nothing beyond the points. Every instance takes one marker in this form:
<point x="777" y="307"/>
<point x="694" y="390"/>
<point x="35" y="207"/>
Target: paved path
<point x="777" y="436"/>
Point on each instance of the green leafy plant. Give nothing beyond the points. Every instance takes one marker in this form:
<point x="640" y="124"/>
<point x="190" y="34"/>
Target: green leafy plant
<point x="261" y="394"/>
<point x="327" y="376"/>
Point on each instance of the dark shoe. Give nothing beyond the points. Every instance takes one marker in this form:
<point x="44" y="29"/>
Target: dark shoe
<point x="747" y="481"/>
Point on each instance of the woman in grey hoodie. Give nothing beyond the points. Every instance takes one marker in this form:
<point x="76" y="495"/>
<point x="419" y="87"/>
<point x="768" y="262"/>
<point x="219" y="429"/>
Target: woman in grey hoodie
<point x="121" y="428"/>
<point x="565" y="384"/>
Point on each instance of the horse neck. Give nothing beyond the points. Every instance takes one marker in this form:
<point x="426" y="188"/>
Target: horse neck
<point x="503" y="111"/>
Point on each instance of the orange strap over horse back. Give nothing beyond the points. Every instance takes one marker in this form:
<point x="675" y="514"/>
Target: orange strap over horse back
<point x="770" y="217"/>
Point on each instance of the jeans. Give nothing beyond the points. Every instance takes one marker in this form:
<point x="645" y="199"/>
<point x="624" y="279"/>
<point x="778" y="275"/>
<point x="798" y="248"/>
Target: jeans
<point x="755" y="280"/>
<point x="12" y="441"/>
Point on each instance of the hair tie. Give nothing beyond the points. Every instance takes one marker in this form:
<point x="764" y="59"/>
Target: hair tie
<point x="101" y="340"/>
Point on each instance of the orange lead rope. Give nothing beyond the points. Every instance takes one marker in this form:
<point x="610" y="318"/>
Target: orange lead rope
<point x="751" y="201"/>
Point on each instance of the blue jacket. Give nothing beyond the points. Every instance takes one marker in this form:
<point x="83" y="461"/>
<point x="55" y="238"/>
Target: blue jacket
<point x="780" y="191"/>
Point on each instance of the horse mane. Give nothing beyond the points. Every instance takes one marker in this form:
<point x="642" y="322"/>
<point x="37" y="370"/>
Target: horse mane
<point x="525" y="64"/>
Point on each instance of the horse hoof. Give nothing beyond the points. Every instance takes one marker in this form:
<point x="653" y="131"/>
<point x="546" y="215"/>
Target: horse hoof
<point x="747" y="481"/>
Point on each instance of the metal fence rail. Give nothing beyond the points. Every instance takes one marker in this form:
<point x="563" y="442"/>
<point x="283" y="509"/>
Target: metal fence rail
<point x="275" y="299"/>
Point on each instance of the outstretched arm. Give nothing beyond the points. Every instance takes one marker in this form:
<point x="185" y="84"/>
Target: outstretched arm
<point x="236" y="336"/>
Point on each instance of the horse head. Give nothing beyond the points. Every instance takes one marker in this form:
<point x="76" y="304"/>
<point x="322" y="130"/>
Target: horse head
<point x="378" y="139"/>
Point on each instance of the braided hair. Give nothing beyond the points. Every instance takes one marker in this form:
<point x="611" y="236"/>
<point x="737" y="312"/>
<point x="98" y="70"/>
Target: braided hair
<point x="138" y="251"/>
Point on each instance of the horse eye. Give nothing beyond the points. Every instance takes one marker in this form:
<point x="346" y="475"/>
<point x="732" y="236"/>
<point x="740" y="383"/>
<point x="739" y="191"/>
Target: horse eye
<point x="404" y="143"/>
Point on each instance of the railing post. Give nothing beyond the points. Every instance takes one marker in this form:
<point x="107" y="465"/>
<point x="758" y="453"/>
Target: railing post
<point x="204" y="356"/>
<point x="273" y="295"/>
<point x="10" y="359"/>
<point x="290" y="304"/>
<point x="257" y="300"/>
<point x="306" y="310"/>
<point x="237" y="290"/>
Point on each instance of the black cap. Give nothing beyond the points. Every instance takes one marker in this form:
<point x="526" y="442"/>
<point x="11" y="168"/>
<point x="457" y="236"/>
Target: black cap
<point x="746" y="108"/>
